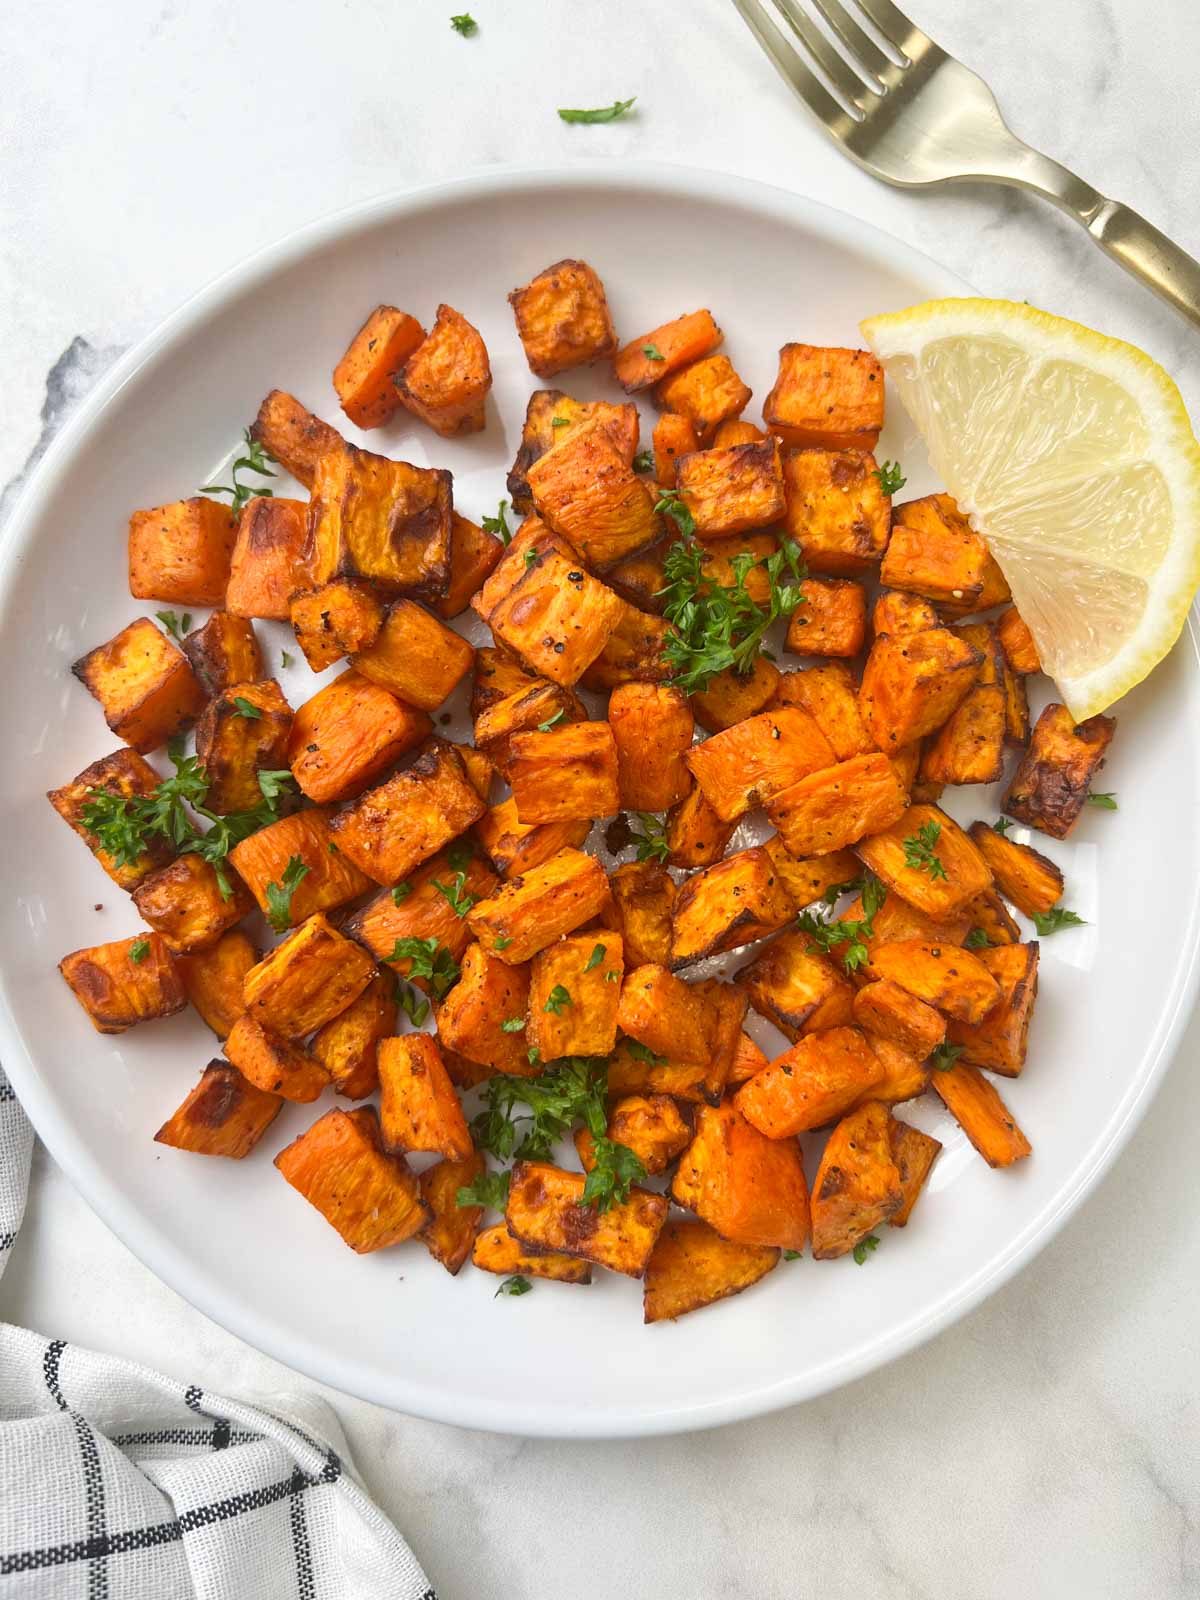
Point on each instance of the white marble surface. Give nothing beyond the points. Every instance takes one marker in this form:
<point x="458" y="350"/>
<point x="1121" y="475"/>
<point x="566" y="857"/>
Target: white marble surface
<point x="1048" y="1445"/>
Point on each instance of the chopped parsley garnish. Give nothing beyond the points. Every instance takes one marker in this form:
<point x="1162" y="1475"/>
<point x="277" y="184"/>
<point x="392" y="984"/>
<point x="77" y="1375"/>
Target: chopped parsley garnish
<point x="498" y="524"/>
<point x="489" y="1189"/>
<point x="599" y="114"/>
<point x="642" y="1052"/>
<point x="255" y="460"/>
<point x="919" y="852"/>
<point x="670" y="505"/>
<point x="1047" y="922"/>
<point x="457" y="894"/>
<point x="531" y="556"/>
<point x="175" y="625"/>
<point x="465" y="24"/>
<point x="429" y="960"/>
<point x="652" y="353"/>
<point x="247" y="708"/>
<point x="828" y="937"/>
<point x="513" y="1025"/>
<point x="515" y="1285"/>
<point x="138" y="951"/>
<point x="558" y="1000"/>
<point x="286" y="658"/>
<point x="1105" y="802"/>
<point x="791" y="1255"/>
<point x="891" y="479"/>
<point x="550" y="722"/>
<point x="279" y="895"/>
<point x="412" y="1002"/>
<point x="944" y="1057"/>
<point x="644" y="461"/>
<point x="651" y="842"/>
<point x="720" y="628"/>
<point x="977" y="939"/>
<point x="400" y="893"/>
<point x="560" y="422"/>
<point x="597" y="956"/>
<point x="865" y="1247"/>
<point x="502" y="942"/>
<point x="1001" y="825"/>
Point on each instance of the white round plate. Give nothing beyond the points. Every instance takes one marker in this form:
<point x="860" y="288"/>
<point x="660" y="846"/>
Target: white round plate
<point x="232" y="1236"/>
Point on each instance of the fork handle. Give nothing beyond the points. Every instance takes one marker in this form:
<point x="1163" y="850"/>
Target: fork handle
<point x="1148" y="254"/>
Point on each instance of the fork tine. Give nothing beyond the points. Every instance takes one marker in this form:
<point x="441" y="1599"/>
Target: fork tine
<point x="896" y="28"/>
<point x="835" y="67"/>
<point x="790" y="67"/>
<point x="862" y="48"/>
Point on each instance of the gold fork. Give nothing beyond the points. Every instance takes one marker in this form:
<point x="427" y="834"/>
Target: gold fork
<point x="917" y="117"/>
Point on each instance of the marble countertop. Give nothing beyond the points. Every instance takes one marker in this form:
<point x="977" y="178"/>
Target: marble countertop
<point x="1047" y="1446"/>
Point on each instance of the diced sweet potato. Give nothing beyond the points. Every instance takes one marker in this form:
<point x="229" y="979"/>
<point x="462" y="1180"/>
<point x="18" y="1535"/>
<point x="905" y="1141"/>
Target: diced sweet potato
<point x="586" y="490"/>
<point x="470" y="1020"/>
<point x="831" y="620"/>
<point x="267" y="566"/>
<point x="346" y="1046"/>
<point x="222" y="1115"/>
<point x="635" y="1069"/>
<point x="707" y="392"/>
<point x="896" y="919"/>
<point x="885" y="1009"/>
<point x="446" y="379"/>
<point x="652" y="1126"/>
<point x="474" y="555"/>
<point x="994" y="592"/>
<point x="729" y="1013"/>
<point x="349" y="733"/>
<point x="643" y="893"/>
<point x="1024" y="875"/>
<point x="941" y="884"/>
<point x="999" y="1041"/>
<point x="1050" y="786"/>
<point x="640" y="578"/>
<point x="336" y="620"/>
<point x="945" y="976"/>
<point x="975" y="1104"/>
<point x="838" y="806"/>
<point x="730" y="904"/>
<point x="531" y="911"/>
<point x="748" y="764"/>
<point x="419" y="1107"/>
<point x="416" y="657"/>
<point x="567" y="773"/>
<point x="796" y="988"/>
<point x="144" y="683"/>
<point x="450" y="1232"/>
<point x="495" y="1250"/>
<point x="905" y="1076"/>
<point x="749" y="1188"/>
<point x="309" y="978"/>
<point x="365" y="377"/>
<point x="184" y="903"/>
<point x="122" y="773"/>
<point x="812" y="1084"/>
<point x="423" y="912"/>
<point x="515" y="846"/>
<point x="574" y="990"/>
<point x="734" y="490"/>
<point x="274" y="1065"/>
<point x="830" y="696"/>
<point x="331" y="880"/>
<point x="652" y="726"/>
<point x="562" y="318"/>
<point x="693" y="1267"/>
<point x="1016" y="708"/>
<point x="810" y="879"/>
<point x="244" y="730"/>
<point x="857" y="1185"/>
<point x="736" y="431"/>
<point x="914" y="1153"/>
<point x="124" y="983"/>
<point x="666" y="1015"/>
<point x="224" y="652"/>
<point x="989" y="914"/>
<point x="395" y="827"/>
<point x="539" y="703"/>
<point x="827" y="398"/>
<point x="898" y="613"/>
<point x="719" y="563"/>
<point x="369" y="1196"/>
<point x="181" y="553"/>
<point x="695" y="834"/>
<point x="732" y="697"/>
<point x="665" y="349"/>
<point x="382" y="520"/>
<point x="748" y="1059"/>
<point x="837" y="509"/>
<point x="498" y="674"/>
<point x="1017" y="642"/>
<point x="550" y="417"/>
<point x="969" y="746"/>
<point x="912" y="683"/>
<point x="556" y="616"/>
<point x="213" y="978"/>
<point x="634" y="652"/>
<point x="532" y="538"/>
<point x="293" y="435"/>
<point x="935" y="552"/>
<point x="674" y="437"/>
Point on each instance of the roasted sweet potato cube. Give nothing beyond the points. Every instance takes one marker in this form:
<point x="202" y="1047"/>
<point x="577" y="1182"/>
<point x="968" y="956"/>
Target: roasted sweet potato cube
<point x="532" y="539"/>
<point x="729" y="1013"/>
<point x="827" y="398"/>
<point x="635" y="1069"/>
<point x="346" y="1046"/>
<point x="419" y="1107"/>
<point x="837" y="509"/>
<point x="692" y="1267"/>
<point x="733" y="697"/>
<point x="349" y="733"/>
<point x="999" y="1041"/>
<point x="674" y="437"/>
<point x="293" y="435"/>
<point x="330" y="881"/>
<point x="545" y="1211"/>
<point x="309" y="978"/>
<point x="975" y="1104"/>
<point x="641" y="578"/>
<point x="898" y="613"/>
<point x="213" y="978"/>
<point x="905" y="1076"/>
<point x="566" y="773"/>
<point x="515" y="846"/>
<point x="707" y="392"/>
<point x="734" y="490"/>
<point x="829" y="694"/>
<point x="539" y="705"/>
<point x="857" y="1184"/>
<point x="181" y="553"/>
<point x="643" y="893"/>
<point x="665" y="349"/>
<point x="495" y="1250"/>
<point x="395" y="827"/>
<point x="124" y="983"/>
<point x="474" y="555"/>
<point x="267" y="566"/>
<point x="634" y="652"/>
<point x="935" y="552"/>
<point x="652" y="726"/>
<point x="797" y="988"/>
<point x="885" y="1009"/>
<point x="838" y="805"/>
<point x="730" y="904"/>
<point x="652" y="1126"/>
<point x="746" y="765"/>
<point x="275" y="1065"/>
<point x="222" y="1115"/>
<point x="224" y="652"/>
<point x="586" y="490"/>
<point x="365" y="377"/>
<point x="914" y="1153"/>
<point x="557" y="617"/>
<point x="416" y="657"/>
<point x="809" y="879"/>
<point x="831" y="620"/>
<point x="896" y="919"/>
<point x="666" y="1015"/>
<point x="941" y="885"/>
<point x="369" y="1196"/>
<point x="550" y="418"/>
<point x="574" y="989"/>
<point x="1017" y="642"/>
<point x="531" y="911"/>
<point x="812" y="1084"/>
<point x="991" y="916"/>
<point x="184" y="902"/>
<point x="751" y="1189"/>
<point x="719" y="563"/>
<point x="912" y="683"/>
<point x="451" y="1229"/>
<point x="386" y="521"/>
<point x="736" y="432"/>
<point x="122" y="773"/>
<point x="562" y="318"/>
<point x="446" y="379"/>
<point x="336" y="620"/>
<point x="695" y="834"/>
<point x="423" y="912"/>
<point x="969" y="746"/>
<point x="244" y="730"/>
<point x="144" y="683"/>
<point x="944" y="976"/>
<point x="1049" y="788"/>
<point x="498" y="674"/>
<point x="1024" y="875"/>
<point x="470" y="1020"/>
<point x="748" y="1059"/>
<point x="1016" y="708"/>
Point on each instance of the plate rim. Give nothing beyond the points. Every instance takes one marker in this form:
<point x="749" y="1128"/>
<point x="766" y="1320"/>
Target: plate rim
<point x="162" y="1258"/>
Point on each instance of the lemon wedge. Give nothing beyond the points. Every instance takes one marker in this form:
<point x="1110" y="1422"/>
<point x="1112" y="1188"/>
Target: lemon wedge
<point x="1072" y="454"/>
